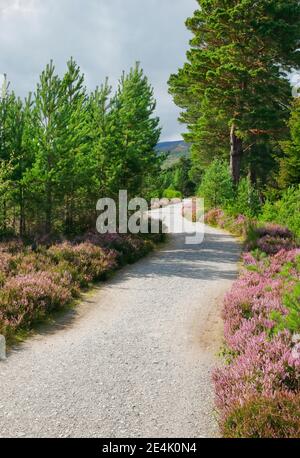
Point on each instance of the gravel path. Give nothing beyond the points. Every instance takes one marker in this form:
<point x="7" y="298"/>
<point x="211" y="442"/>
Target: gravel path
<point x="134" y="360"/>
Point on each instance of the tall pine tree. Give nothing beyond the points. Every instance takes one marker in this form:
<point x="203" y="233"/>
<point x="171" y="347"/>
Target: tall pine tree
<point x="290" y="162"/>
<point x="236" y="73"/>
<point x="50" y="130"/>
<point x="138" y="131"/>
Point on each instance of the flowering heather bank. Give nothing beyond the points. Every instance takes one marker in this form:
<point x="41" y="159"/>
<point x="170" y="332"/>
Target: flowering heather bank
<point x="36" y="283"/>
<point x="262" y="343"/>
<point x="236" y="225"/>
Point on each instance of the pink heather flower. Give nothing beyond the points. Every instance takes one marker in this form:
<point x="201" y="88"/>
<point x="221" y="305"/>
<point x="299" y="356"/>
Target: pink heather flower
<point x="241" y="220"/>
<point x="264" y="368"/>
<point x="260" y="363"/>
<point x="214" y="217"/>
<point x="272" y="245"/>
<point x="25" y="298"/>
<point x="274" y="230"/>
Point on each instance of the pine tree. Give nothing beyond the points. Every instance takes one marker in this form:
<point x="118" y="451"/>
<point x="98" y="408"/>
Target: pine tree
<point x="21" y="153"/>
<point x="5" y="186"/>
<point x="236" y="72"/>
<point x="103" y="134"/>
<point x="50" y="129"/>
<point x="74" y="145"/>
<point x="216" y="187"/>
<point x="138" y="131"/>
<point x="290" y="163"/>
<point x="182" y="181"/>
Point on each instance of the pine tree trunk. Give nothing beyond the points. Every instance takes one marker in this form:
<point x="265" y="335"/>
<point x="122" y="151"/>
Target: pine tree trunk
<point x="4" y="215"/>
<point x="48" y="212"/>
<point x="235" y="155"/>
<point x="22" y="214"/>
<point x="252" y="175"/>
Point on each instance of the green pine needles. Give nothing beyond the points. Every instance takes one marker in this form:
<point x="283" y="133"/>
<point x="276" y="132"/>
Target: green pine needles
<point x="64" y="148"/>
<point x="234" y="88"/>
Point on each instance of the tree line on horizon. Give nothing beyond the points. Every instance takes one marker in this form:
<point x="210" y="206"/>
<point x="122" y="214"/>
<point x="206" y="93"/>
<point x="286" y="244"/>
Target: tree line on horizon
<point x="63" y="148"/>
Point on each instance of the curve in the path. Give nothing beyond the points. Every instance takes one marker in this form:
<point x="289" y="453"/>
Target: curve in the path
<point x="135" y="360"/>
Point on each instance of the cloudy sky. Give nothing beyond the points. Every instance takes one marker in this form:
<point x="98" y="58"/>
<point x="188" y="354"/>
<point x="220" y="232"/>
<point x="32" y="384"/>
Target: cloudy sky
<point x="104" y="36"/>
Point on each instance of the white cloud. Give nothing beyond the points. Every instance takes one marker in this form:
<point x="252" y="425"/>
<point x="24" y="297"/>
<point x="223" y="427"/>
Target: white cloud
<point x="13" y="7"/>
<point x="104" y="36"/>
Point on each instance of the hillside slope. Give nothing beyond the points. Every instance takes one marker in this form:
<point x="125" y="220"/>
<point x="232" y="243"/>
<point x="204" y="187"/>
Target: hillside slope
<point x="176" y="150"/>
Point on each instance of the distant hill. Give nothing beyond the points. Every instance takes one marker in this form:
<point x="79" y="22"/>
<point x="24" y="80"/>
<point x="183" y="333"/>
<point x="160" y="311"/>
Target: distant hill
<point x="175" y="149"/>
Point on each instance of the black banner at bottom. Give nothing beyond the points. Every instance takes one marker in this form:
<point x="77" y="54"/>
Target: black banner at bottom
<point x="144" y="447"/>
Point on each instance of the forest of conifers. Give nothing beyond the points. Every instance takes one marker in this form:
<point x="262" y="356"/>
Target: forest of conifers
<point x="64" y="148"/>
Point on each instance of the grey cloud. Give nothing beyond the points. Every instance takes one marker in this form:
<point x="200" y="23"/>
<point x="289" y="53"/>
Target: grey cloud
<point x="104" y="36"/>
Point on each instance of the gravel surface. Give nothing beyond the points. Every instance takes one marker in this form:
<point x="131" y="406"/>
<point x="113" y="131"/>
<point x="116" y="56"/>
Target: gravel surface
<point x="134" y="360"/>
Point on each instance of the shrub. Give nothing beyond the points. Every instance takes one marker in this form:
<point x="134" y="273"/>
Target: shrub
<point x="284" y="211"/>
<point x="260" y="325"/>
<point x="216" y="186"/>
<point x="290" y="320"/>
<point x="265" y="417"/>
<point x="246" y="201"/>
<point x="263" y="367"/>
<point x="270" y="238"/>
<point x="12" y="246"/>
<point x="272" y="245"/>
<point x="214" y="217"/>
<point x="274" y="230"/>
<point x="138" y="247"/>
<point x="34" y="283"/>
<point x="238" y="225"/>
<point x="172" y="194"/>
<point x="29" y="262"/>
<point x="27" y="298"/>
<point x="128" y="248"/>
<point x="7" y="263"/>
<point x="90" y="262"/>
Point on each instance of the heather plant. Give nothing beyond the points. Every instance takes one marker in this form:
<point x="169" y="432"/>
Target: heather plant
<point x="262" y="361"/>
<point x="25" y="299"/>
<point x="91" y="262"/>
<point x="36" y="282"/>
<point x="237" y="225"/>
<point x="272" y="245"/>
<point x="12" y="246"/>
<point x="7" y="262"/>
<point x="274" y="230"/>
<point x="30" y="262"/>
<point x="128" y="248"/>
<point x="263" y="368"/>
<point x="265" y="418"/>
<point x="270" y="238"/>
<point x="214" y="217"/>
